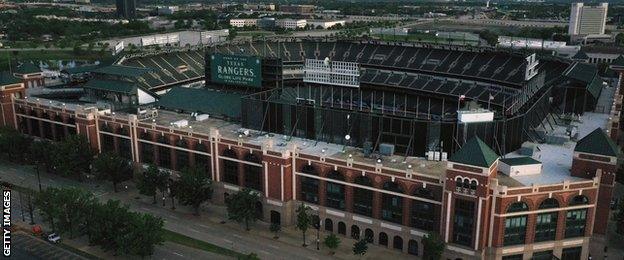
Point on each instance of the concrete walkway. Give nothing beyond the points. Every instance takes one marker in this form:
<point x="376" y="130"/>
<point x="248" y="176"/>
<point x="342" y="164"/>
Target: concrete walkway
<point x="206" y="227"/>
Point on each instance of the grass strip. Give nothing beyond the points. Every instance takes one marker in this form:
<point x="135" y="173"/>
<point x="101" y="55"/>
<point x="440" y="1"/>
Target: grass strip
<point x="77" y="251"/>
<point x="198" y="244"/>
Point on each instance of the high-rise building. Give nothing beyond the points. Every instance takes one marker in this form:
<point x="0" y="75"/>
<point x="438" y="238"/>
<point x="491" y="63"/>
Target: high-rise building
<point x="585" y="20"/>
<point x="126" y="8"/>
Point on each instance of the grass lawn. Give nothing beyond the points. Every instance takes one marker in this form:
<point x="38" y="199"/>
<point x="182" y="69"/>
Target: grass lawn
<point x="47" y="55"/>
<point x="202" y="245"/>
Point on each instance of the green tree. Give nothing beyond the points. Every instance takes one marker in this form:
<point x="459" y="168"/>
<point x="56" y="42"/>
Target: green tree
<point x="619" y="39"/>
<point x="13" y="144"/>
<point x="47" y="206"/>
<point x="72" y="156"/>
<point x="146" y="232"/>
<point x="332" y="242"/>
<point x="275" y="228"/>
<point x="113" y="168"/>
<point x="196" y="186"/>
<point x="75" y="205"/>
<point x="41" y="153"/>
<point x="303" y="220"/>
<point x="360" y="247"/>
<point x="433" y="246"/>
<point x="241" y="206"/>
<point x="148" y="181"/>
<point x="490" y="37"/>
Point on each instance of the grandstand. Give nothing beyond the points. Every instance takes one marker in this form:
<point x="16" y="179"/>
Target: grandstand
<point x="168" y="68"/>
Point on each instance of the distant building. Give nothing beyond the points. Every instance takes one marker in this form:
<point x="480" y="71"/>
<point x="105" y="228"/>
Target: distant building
<point x="126" y="8"/>
<point x="585" y="20"/>
<point x="298" y="9"/>
<point x="259" y="7"/>
<point x="166" y="10"/>
<point x="325" y="23"/>
<point x="291" y="23"/>
<point x="243" y="22"/>
<point x="266" y="23"/>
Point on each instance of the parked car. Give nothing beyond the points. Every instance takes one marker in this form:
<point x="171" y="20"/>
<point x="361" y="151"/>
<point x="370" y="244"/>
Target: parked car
<point x="54" y="238"/>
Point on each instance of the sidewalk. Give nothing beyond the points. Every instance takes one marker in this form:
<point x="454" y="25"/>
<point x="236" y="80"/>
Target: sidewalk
<point x="206" y="227"/>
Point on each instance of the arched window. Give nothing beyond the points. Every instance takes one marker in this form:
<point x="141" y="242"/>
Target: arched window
<point x="363" y="198"/>
<point x="335" y="192"/>
<point x="182" y="156"/>
<point x="230" y="168"/>
<point x="459" y="182"/>
<point x="412" y="247"/>
<point x="383" y="239"/>
<point x="397" y="243"/>
<point x="309" y="186"/>
<point x="355" y="232"/>
<point x="473" y="185"/>
<point x="392" y="205"/>
<point x="342" y="228"/>
<point x="576" y="219"/>
<point x="253" y="173"/>
<point x="329" y="225"/>
<point x="369" y="235"/>
<point x="466" y="183"/>
<point x="515" y="226"/>
<point x="546" y="225"/>
<point x="422" y="212"/>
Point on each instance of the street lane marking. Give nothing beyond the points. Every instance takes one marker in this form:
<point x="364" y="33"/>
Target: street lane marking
<point x="176" y="253"/>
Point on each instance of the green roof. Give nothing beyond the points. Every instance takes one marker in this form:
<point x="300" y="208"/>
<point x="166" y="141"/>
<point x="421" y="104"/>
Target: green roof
<point x="519" y="161"/>
<point x="595" y="87"/>
<point x="124" y="71"/>
<point x="619" y="62"/>
<point x="475" y="152"/>
<point x="580" y="55"/>
<point x="7" y="79"/>
<point x="27" y="68"/>
<point x="582" y="72"/>
<point x="112" y="86"/>
<point x="597" y="142"/>
<point x="202" y="101"/>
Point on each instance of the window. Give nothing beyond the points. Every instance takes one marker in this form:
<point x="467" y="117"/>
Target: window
<point x="363" y="198"/>
<point x="335" y="192"/>
<point x="202" y="160"/>
<point x="253" y="174"/>
<point x="513" y="257"/>
<point x="355" y="232"/>
<point x="397" y="243"/>
<point x="576" y="219"/>
<point x="230" y="168"/>
<point x="543" y="255"/>
<point x="309" y="186"/>
<point x="369" y="235"/>
<point x="515" y="227"/>
<point x="412" y="247"/>
<point x="546" y="226"/>
<point x="422" y="213"/>
<point x="573" y="253"/>
<point x="392" y="205"/>
<point x="164" y="153"/>
<point x="383" y="239"/>
<point x="147" y="149"/>
<point x="463" y="223"/>
<point x="182" y="157"/>
<point x="342" y="228"/>
<point x="329" y="225"/>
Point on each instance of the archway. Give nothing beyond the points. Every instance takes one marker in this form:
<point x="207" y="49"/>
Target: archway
<point x="355" y="232"/>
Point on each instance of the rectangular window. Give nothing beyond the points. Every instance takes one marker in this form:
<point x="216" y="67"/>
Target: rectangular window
<point x="463" y="223"/>
<point x="543" y="255"/>
<point x="513" y="257"/>
<point x="546" y="227"/>
<point x="573" y="253"/>
<point x="575" y="223"/>
<point x="515" y="230"/>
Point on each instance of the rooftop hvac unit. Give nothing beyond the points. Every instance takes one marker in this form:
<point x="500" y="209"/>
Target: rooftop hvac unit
<point x="386" y="149"/>
<point x="180" y="123"/>
<point x="202" y="117"/>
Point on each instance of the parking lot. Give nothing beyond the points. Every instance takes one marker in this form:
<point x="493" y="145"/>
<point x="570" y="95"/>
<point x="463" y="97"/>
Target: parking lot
<point x="28" y="247"/>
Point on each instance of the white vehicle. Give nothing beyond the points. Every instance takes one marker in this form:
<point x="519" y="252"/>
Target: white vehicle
<point x="54" y="238"/>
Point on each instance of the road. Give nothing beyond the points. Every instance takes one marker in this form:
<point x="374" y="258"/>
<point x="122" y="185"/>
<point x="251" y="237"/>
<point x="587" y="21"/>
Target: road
<point x="207" y="227"/>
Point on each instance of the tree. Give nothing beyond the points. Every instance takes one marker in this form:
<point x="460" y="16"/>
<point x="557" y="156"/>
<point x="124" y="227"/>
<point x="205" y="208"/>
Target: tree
<point x="47" y="206"/>
<point x="303" y="220"/>
<point x="74" y="205"/>
<point x="275" y="228"/>
<point x="111" y="167"/>
<point x="13" y="144"/>
<point x="241" y="206"/>
<point x="433" y="246"/>
<point x="72" y="157"/>
<point x="332" y="242"/>
<point x="148" y="181"/>
<point x="196" y="186"/>
<point x="41" y="153"/>
<point x="360" y="247"/>
<point x="490" y="37"/>
<point x="619" y="39"/>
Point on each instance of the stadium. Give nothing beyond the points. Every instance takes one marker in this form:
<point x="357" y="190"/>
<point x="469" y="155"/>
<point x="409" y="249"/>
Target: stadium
<point x="496" y="150"/>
